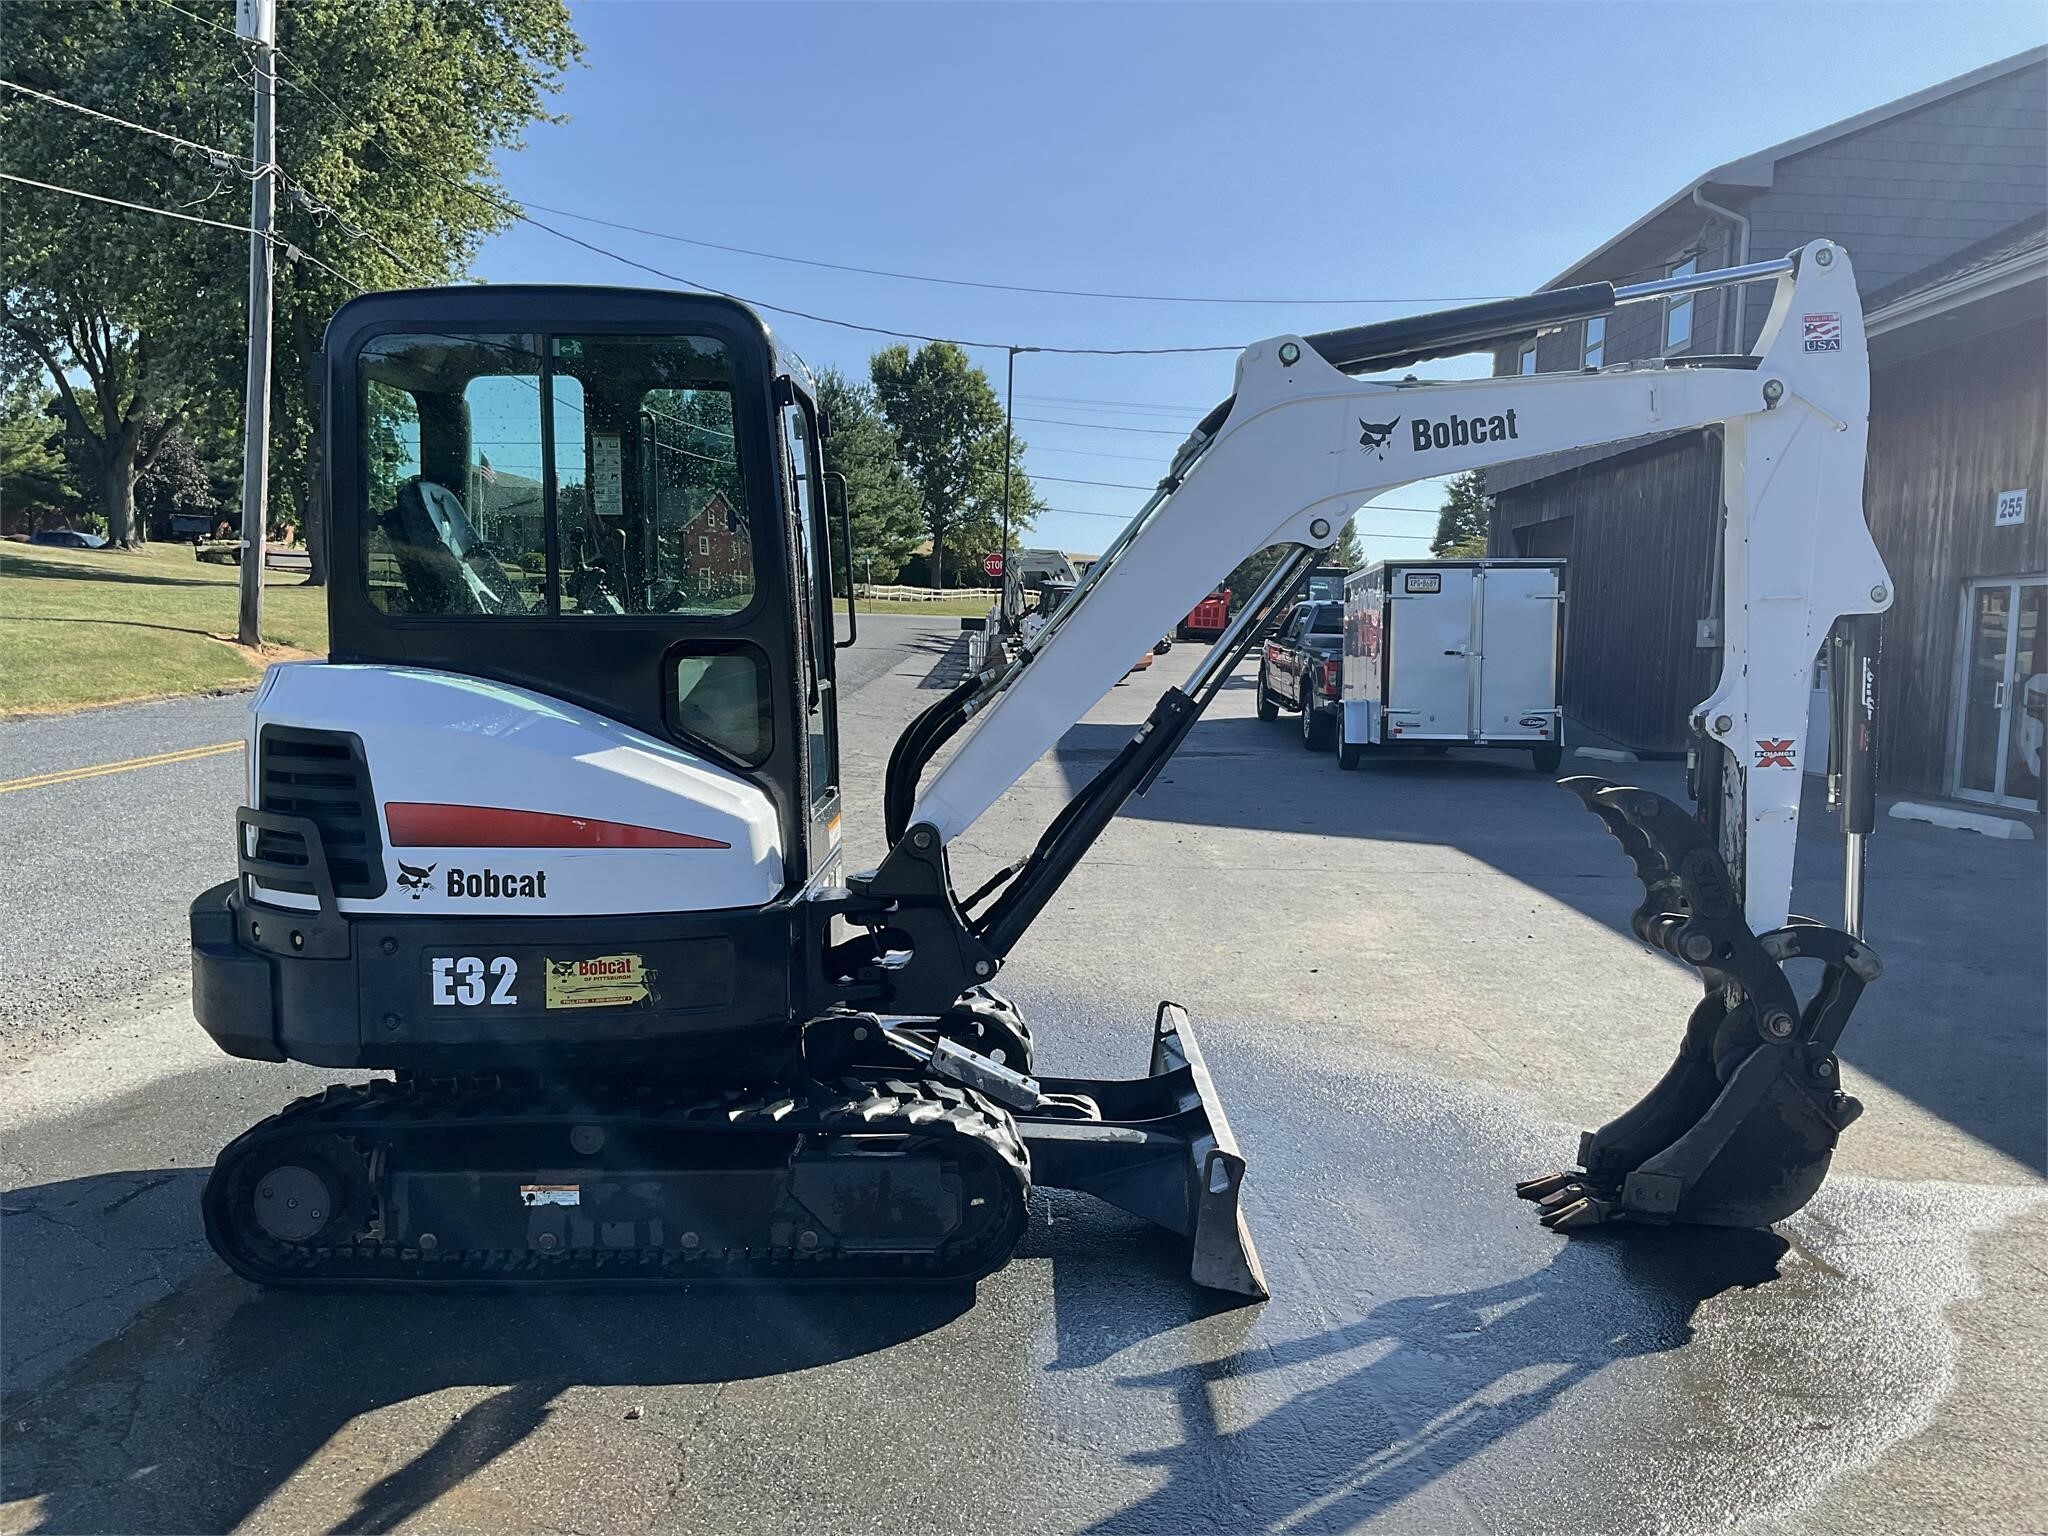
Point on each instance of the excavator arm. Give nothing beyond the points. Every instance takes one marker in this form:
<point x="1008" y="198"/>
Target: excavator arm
<point x="1302" y="445"/>
<point x="1741" y="1128"/>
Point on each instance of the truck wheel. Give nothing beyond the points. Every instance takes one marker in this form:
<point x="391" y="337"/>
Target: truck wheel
<point x="1548" y="756"/>
<point x="1348" y="754"/>
<point x="1268" y="710"/>
<point x="1315" y="725"/>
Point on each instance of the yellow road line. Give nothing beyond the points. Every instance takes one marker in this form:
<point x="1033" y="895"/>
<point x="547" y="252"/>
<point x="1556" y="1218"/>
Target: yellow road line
<point x="128" y="765"/>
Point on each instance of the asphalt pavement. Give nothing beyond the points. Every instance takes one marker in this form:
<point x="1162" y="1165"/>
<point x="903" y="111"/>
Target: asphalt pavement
<point x="1414" y="983"/>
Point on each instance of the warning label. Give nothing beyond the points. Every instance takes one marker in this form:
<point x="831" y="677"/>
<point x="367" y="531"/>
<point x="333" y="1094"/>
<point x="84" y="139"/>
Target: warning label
<point x="605" y="981"/>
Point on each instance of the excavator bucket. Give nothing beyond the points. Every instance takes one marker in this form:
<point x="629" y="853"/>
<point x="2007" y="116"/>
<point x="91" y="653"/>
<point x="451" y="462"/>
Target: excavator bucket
<point x="1161" y="1149"/>
<point x="1739" y="1131"/>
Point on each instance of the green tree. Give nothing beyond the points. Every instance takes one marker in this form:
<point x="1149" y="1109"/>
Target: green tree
<point x="151" y="314"/>
<point x="949" y="434"/>
<point x="1466" y="519"/>
<point x="881" y="502"/>
<point x="175" y="480"/>
<point x="35" y="477"/>
<point x="1348" y="552"/>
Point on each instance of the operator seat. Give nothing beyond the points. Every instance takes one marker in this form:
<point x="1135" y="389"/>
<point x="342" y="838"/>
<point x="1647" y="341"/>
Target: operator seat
<point x="445" y="566"/>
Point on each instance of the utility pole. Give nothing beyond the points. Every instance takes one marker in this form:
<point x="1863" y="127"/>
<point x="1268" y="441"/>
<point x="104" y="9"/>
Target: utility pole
<point x="256" y="24"/>
<point x="1009" y="452"/>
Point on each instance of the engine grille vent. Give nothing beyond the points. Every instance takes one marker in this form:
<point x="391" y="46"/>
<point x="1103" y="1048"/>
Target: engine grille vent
<point x="324" y="777"/>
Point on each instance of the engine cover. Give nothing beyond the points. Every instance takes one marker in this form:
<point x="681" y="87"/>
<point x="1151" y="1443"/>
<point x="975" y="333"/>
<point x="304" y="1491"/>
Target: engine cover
<point x="491" y="799"/>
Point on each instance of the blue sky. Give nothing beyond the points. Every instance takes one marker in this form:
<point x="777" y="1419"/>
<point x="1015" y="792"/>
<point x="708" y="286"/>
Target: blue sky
<point x="1417" y="154"/>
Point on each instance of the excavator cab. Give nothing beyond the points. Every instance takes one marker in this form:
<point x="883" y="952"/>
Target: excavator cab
<point x="611" y="498"/>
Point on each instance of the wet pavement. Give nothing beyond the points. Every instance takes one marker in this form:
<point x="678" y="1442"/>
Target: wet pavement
<point x="1431" y="1360"/>
<point x="1401" y="1027"/>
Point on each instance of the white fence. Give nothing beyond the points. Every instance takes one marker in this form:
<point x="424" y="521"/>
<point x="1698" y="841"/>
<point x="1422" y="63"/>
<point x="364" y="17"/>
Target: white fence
<point x="919" y="594"/>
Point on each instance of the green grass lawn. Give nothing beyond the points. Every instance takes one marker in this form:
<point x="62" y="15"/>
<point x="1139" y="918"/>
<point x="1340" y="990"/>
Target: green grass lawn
<point x="81" y="626"/>
<point x="945" y="607"/>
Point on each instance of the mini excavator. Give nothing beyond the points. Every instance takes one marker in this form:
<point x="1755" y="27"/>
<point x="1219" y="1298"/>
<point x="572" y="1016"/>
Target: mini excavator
<point x="552" y="838"/>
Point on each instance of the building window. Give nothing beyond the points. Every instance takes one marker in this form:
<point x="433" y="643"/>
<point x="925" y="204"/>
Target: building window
<point x="1678" y="309"/>
<point x="1596" y="341"/>
<point x="1527" y="362"/>
<point x="703" y="543"/>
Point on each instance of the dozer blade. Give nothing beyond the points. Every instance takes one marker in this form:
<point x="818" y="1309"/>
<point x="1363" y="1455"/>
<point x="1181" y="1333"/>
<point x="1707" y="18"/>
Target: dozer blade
<point x="1161" y="1149"/>
<point x="1740" y="1129"/>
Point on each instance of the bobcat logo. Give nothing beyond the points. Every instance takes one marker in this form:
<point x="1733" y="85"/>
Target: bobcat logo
<point x="563" y="968"/>
<point x="1376" y="435"/>
<point x="414" y="879"/>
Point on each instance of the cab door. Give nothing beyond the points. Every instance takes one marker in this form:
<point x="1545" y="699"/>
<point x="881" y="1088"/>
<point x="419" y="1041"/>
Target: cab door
<point x="803" y="469"/>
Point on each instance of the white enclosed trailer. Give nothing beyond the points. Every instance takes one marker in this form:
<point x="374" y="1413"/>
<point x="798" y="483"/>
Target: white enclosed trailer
<point x="1443" y="653"/>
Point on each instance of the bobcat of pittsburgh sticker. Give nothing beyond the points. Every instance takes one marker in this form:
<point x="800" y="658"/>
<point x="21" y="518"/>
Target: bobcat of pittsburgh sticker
<point x="604" y="981"/>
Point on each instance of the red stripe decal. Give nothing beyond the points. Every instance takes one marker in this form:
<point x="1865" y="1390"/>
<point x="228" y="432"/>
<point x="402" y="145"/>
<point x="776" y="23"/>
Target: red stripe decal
<point x="417" y="825"/>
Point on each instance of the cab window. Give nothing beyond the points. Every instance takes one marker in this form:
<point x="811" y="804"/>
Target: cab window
<point x="451" y="434"/>
<point x="651" y="501"/>
<point x="585" y="477"/>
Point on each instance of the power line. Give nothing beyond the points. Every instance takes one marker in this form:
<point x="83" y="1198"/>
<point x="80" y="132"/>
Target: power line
<point x="209" y="150"/>
<point x="204" y="21"/>
<point x="115" y="202"/>
<point x="1090" y="453"/>
<point x="311" y="89"/>
<point x="965" y="282"/>
<point x="219" y="157"/>
<point x="1117" y="407"/>
<point x="1097" y="426"/>
<point x="1113" y="485"/>
<point x="1119" y="517"/>
<point x="514" y="211"/>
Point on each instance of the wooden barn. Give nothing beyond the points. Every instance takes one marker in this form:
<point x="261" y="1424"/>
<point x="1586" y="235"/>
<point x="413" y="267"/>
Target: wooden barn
<point x="1942" y="200"/>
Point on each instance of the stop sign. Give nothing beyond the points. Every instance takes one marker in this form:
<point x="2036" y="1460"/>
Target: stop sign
<point x="992" y="565"/>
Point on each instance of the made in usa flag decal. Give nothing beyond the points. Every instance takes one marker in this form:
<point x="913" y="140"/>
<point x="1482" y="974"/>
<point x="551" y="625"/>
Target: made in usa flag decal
<point x="1823" y="333"/>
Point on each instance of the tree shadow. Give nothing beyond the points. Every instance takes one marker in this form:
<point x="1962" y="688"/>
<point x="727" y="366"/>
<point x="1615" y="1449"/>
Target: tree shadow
<point x="1446" y="1376"/>
<point x="214" y="1396"/>
<point x="32" y="567"/>
<point x="167" y="629"/>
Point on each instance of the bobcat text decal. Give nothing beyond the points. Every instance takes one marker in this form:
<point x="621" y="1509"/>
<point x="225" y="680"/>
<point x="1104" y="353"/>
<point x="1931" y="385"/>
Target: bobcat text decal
<point x="1461" y="431"/>
<point x="490" y="885"/>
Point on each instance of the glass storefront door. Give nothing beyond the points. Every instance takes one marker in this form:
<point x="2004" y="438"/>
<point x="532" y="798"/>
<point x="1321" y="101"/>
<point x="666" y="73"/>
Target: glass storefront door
<point x="2003" y="693"/>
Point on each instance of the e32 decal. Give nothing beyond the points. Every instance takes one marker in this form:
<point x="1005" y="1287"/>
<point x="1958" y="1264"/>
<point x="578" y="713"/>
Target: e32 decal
<point x="467" y="981"/>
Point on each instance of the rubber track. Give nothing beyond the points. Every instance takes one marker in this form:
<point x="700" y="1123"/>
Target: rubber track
<point x="384" y="1109"/>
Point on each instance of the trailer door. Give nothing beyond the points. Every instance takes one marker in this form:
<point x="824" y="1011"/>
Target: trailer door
<point x="1429" y="668"/>
<point x="1517" y="693"/>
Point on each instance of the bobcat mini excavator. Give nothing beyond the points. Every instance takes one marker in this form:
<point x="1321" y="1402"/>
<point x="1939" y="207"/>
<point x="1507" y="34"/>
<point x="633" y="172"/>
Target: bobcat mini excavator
<point x="553" y="837"/>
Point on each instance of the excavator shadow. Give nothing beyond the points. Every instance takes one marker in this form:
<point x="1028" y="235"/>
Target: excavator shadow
<point x="216" y="1394"/>
<point x="1346" y="1423"/>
